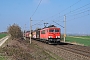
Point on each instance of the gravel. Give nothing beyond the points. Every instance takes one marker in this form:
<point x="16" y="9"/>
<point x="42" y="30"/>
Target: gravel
<point x="64" y="54"/>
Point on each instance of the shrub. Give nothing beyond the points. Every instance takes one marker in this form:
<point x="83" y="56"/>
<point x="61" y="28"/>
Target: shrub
<point x="15" y="31"/>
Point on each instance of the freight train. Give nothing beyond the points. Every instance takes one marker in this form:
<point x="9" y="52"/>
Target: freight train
<point x="26" y="34"/>
<point x="50" y="34"/>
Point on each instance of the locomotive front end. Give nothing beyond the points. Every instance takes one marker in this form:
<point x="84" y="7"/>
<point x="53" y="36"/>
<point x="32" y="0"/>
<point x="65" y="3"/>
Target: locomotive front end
<point x="54" y="35"/>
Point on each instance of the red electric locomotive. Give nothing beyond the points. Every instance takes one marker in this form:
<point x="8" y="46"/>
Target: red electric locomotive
<point x="50" y="34"/>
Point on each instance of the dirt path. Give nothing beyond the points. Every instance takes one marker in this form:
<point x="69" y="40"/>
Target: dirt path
<point x="2" y="41"/>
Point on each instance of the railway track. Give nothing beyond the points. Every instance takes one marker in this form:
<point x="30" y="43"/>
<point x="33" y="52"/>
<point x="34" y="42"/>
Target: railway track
<point x="82" y="50"/>
<point x="67" y="51"/>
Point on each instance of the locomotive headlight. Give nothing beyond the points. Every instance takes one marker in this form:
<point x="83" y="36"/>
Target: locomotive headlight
<point x="58" y="36"/>
<point x="50" y="36"/>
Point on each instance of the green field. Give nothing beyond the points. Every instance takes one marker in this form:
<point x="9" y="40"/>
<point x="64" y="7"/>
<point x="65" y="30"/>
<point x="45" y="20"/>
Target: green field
<point x="84" y="40"/>
<point x="85" y="37"/>
<point x="2" y="35"/>
<point x="2" y="58"/>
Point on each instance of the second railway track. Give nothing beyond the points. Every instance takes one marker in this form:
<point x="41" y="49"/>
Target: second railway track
<point x="82" y="50"/>
<point x="66" y="51"/>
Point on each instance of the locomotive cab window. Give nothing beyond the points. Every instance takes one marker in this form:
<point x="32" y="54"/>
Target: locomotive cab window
<point x="43" y="32"/>
<point x="56" y="30"/>
<point x="51" y="30"/>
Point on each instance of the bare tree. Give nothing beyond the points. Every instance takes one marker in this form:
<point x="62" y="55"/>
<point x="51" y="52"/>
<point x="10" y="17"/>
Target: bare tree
<point x="15" y="31"/>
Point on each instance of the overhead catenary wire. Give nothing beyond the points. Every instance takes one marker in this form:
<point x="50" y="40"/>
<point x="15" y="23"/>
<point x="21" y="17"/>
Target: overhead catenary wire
<point x="64" y="9"/>
<point x="31" y="19"/>
<point x="36" y="9"/>
<point x="80" y="13"/>
<point x="71" y="6"/>
<point x="77" y="10"/>
<point x="37" y="23"/>
<point x="72" y="10"/>
<point x="81" y="10"/>
<point x="58" y="24"/>
<point x="78" y="17"/>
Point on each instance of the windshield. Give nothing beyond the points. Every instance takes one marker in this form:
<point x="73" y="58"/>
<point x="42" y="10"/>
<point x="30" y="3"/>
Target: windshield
<point x="56" y="30"/>
<point x="53" y="30"/>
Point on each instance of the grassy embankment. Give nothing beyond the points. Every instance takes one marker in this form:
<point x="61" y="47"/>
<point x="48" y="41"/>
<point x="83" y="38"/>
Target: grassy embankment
<point x="2" y="58"/>
<point x="84" y="40"/>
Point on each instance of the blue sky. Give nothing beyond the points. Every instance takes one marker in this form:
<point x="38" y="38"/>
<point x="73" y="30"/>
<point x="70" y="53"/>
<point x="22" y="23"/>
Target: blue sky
<point x="19" y="11"/>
